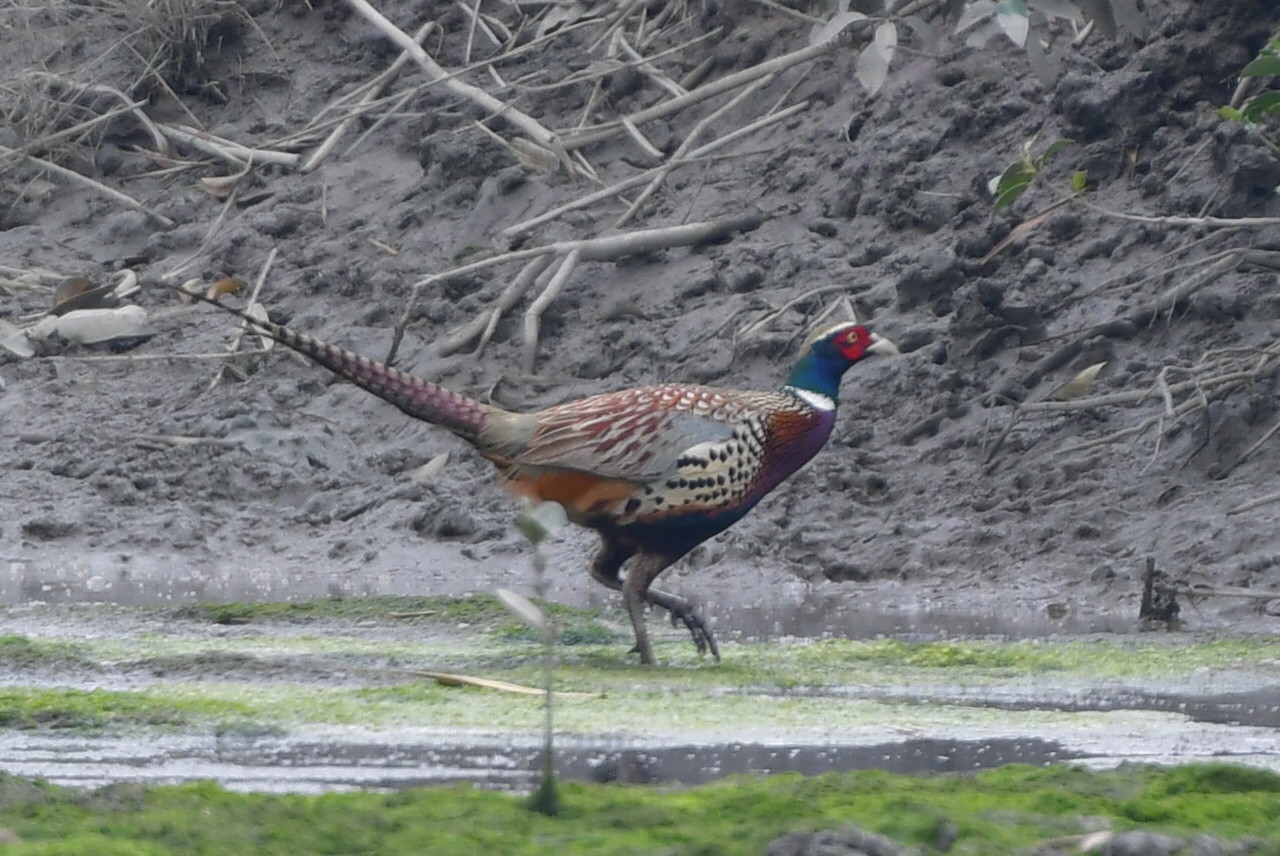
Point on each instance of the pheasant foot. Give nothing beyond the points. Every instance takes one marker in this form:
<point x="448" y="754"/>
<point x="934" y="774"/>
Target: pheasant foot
<point x="681" y="610"/>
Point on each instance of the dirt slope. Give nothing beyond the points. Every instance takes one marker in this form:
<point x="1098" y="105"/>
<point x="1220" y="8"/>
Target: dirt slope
<point x="305" y="489"/>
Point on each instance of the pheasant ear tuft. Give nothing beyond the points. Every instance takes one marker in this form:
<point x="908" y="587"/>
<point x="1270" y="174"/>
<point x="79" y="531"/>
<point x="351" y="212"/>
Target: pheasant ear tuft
<point x="824" y="332"/>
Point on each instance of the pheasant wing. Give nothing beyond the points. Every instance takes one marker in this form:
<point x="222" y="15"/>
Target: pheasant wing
<point x="637" y="435"/>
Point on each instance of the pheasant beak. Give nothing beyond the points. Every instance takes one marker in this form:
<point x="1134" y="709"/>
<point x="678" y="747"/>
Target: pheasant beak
<point x="881" y="345"/>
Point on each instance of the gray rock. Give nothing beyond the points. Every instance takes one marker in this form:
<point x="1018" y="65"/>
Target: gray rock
<point x="846" y="841"/>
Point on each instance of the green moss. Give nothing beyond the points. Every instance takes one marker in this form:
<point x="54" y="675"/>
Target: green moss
<point x="435" y="609"/>
<point x="21" y="652"/>
<point x="578" y="633"/>
<point x="998" y="812"/>
<point x="25" y="708"/>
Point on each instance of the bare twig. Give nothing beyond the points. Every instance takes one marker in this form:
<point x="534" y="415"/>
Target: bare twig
<point x="244" y="328"/>
<point x="617" y="189"/>
<point x="526" y="123"/>
<point x="533" y="317"/>
<point x="600" y="133"/>
<point x="183" y="441"/>
<point x="372" y="94"/>
<point x="1227" y="591"/>
<point x="151" y="358"/>
<point x="760" y="324"/>
<point x="684" y="147"/>
<point x="1265" y="499"/>
<point x="162" y="145"/>
<point x="789" y="12"/>
<point x="226" y="149"/>
<point x="1215" y="222"/>
<point x="97" y="186"/>
<point x="1270" y="432"/>
<point x="1134" y="396"/>
<point x="45" y="140"/>
<point x="648" y="69"/>
<point x="484" y="324"/>
<point x="208" y="235"/>
<point x="590" y="249"/>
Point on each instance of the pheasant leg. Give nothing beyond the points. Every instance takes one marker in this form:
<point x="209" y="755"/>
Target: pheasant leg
<point x="682" y="610"/>
<point x="636" y="606"/>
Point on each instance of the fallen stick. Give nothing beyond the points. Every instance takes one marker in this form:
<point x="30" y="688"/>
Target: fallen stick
<point x="646" y="67"/>
<point x="1215" y="222"/>
<point x="208" y="235"/>
<point x="483" y="324"/>
<point x="533" y="316"/>
<point x="769" y="318"/>
<point x="97" y="186"/>
<point x="1227" y="591"/>
<point x="244" y="328"/>
<point x="1133" y="396"/>
<point x="617" y="189"/>
<point x="600" y="133"/>
<point x="684" y="147"/>
<point x="41" y="142"/>
<point x="1258" y="502"/>
<point x="322" y="151"/>
<point x="526" y="123"/>
<point x="183" y="441"/>
<point x="589" y="249"/>
<point x="1271" y="432"/>
<point x="146" y="358"/>
<point x="450" y="679"/>
<point x="162" y="145"/>
<point x="228" y="150"/>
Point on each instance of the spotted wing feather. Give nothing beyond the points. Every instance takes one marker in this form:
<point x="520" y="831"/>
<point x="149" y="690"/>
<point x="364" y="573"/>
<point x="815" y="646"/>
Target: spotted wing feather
<point x="638" y="434"/>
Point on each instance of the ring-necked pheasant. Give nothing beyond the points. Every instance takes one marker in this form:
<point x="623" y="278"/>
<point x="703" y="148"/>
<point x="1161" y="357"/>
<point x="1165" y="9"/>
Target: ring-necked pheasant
<point x="656" y="470"/>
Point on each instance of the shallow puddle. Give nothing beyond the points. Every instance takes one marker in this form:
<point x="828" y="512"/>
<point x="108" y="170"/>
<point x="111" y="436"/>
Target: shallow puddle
<point x="283" y="764"/>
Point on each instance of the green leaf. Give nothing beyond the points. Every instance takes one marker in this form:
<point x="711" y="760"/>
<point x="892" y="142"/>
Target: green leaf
<point x="1013" y="182"/>
<point x="1266" y="104"/>
<point x="1263" y="65"/>
<point x="1012" y="15"/>
<point x="1079" y="180"/>
<point x="873" y="62"/>
<point x="1231" y="113"/>
<point x="1053" y="148"/>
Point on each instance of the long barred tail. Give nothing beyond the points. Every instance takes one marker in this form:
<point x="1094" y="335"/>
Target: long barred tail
<point x="419" y="398"/>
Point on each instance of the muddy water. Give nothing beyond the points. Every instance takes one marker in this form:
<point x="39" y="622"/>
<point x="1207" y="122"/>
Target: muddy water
<point x="301" y="765"/>
<point x="1182" y="718"/>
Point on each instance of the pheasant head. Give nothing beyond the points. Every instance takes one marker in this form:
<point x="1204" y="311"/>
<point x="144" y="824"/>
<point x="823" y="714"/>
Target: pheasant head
<point x="827" y="354"/>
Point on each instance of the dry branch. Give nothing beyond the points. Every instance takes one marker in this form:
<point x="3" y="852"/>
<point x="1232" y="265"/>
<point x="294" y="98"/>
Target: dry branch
<point x="484" y="324"/>
<point x="373" y="92"/>
<point x="533" y="316"/>
<point x="1227" y="591"/>
<point x="162" y="145"/>
<point x="683" y="150"/>
<point x="228" y="150"/>
<point x="604" y="248"/>
<point x="45" y="140"/>
<point x="526" y="123"/>
<point x="244" y="328"/>
<point x="96" y="186"/>
<point x="1258" y="502"/>
<point x="694" y="156"/>
<point x="1270" y="432"/>
<point x="600" y="133"/>
<point x="1213" y="222"/>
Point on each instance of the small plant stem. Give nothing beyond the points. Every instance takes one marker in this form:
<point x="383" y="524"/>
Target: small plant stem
<point x="546" y="799"/>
